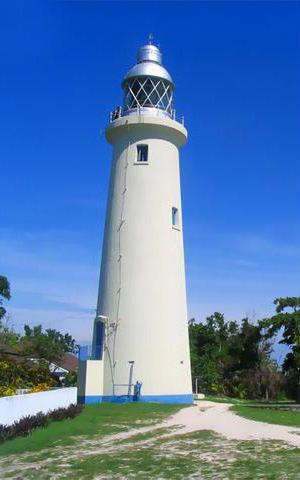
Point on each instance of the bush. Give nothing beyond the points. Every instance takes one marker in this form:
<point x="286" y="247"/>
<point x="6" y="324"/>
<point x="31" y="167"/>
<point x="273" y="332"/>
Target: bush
<point x="73" y="410"/>
<point x="4" y="433"/>
<point x="58" y="414"/>
<point x="70" y="412"/>
<point x="41" y="387"/>
<point x="26" y="425"/>
<point x="7" y="391"/>
<point x="15" y="375"/>
<point x="70" y="379"/>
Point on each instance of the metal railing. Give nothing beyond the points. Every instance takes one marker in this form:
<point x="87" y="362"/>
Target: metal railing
<point x="119" y="112"/>
<point x="86" y="352"/>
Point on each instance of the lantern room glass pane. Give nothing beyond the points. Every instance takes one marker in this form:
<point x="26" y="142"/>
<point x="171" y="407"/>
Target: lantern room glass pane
<point x="148" y="92"/>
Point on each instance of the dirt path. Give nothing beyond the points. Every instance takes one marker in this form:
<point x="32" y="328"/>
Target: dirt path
<point x="218" y="418"/>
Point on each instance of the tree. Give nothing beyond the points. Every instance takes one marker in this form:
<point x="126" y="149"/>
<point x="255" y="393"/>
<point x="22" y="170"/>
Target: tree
<point x="49" y="345"/>
<point x="207" y="351"/>
<point x="264" y="381"/>
<point x="227" y="357"/>
<point x="7" y="334"/>
<point x="4" y="293"/>
<point x="287" y="320"/>
<point x="210" y="357"/>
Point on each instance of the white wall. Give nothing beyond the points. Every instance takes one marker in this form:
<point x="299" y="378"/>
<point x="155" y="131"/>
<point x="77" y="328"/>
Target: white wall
<point x="90" y="378"/>
<point x="17" y="406"/>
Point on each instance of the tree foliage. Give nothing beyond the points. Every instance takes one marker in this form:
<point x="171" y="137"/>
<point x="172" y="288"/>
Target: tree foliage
<point x="49" y="345"/>
<point x="232" y="358"/>
<point x="70" y="379"/>
<point x="7" y="334"/>
<point x="25" y="359"/>
<point x="23" y="374"/>
<point x="4" y="294"/>
<point x="287" y="322"/>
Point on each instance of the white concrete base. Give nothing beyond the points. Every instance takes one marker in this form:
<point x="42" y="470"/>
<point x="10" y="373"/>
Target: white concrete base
<point x="90" y="380"/>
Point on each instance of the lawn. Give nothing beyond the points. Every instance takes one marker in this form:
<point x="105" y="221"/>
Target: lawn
<point x="268" y="413"/>
<point x="242" y="401"/>
<point x="224" y="399"/>
<point x="95" y="420"/>
<point x="86" y="448"/>
<point x="279" y="413"/>
<point x="202" y="455"/>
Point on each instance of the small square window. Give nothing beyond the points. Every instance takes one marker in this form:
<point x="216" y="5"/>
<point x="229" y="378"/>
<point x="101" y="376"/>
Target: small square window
<point x="142" y="153"/>
<point x="175" y="215"/>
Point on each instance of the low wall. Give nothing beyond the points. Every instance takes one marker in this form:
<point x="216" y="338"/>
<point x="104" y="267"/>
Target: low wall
<point x="17" y="406"/>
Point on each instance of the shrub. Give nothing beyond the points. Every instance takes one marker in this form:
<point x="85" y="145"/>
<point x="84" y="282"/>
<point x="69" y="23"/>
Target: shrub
<point x="58" y="414"/>
<point x="26" y="425"/>
<point x="4" y="433"/>
<point x="239" y="391"/>
<point x="74" y="410"/>
<point x="70" y="412"/>
<point x="7" y="391"/>
<point x="70" y="379"/>
<point x="15" y="375"/>
<point x="41" y="387"/>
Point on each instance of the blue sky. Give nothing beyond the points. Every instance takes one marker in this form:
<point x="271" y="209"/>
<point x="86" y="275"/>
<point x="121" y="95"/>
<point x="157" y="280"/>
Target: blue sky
<point x="237" y="71"/>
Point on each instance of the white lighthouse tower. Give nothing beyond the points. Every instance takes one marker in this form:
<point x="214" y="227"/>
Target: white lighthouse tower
<point x="141" y="329"/>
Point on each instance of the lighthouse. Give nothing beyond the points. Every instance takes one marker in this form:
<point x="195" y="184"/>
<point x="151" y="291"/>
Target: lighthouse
<point x="140" y="340"/>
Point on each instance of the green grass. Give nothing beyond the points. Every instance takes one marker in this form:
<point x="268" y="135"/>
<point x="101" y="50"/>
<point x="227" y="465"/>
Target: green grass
<point x="271" y="412"/>
<point x="224" y="399"/>
<point x="137" y="464"/>
<point x="241" y="401"/>
<point x="76" y="448"/>
<point x="103" y="419"/>
<point x="268" y="414"/>
<point x="202" y="455"/>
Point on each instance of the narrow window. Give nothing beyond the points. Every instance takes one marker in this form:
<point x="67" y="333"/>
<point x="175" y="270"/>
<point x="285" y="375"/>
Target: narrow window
<point x="99" y="340"/>
<point x="142" y="153"/>
<point x="175" y="220"/>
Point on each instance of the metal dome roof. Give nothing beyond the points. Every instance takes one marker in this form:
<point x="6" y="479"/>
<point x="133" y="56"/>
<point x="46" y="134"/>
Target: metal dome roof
<point x="148" y="65"/>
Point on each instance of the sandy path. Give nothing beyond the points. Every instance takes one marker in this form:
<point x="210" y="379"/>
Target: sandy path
<point x="218" y="418"/>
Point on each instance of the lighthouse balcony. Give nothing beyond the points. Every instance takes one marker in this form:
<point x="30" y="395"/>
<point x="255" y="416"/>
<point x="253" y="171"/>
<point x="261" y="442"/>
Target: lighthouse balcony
<point x="148" y="111"/>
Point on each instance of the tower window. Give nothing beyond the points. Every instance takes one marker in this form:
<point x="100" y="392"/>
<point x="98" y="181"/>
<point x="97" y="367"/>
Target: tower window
<point x="175" y="215"/>
<point x="99" y="340"/>
<point x="142" y="153"/>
